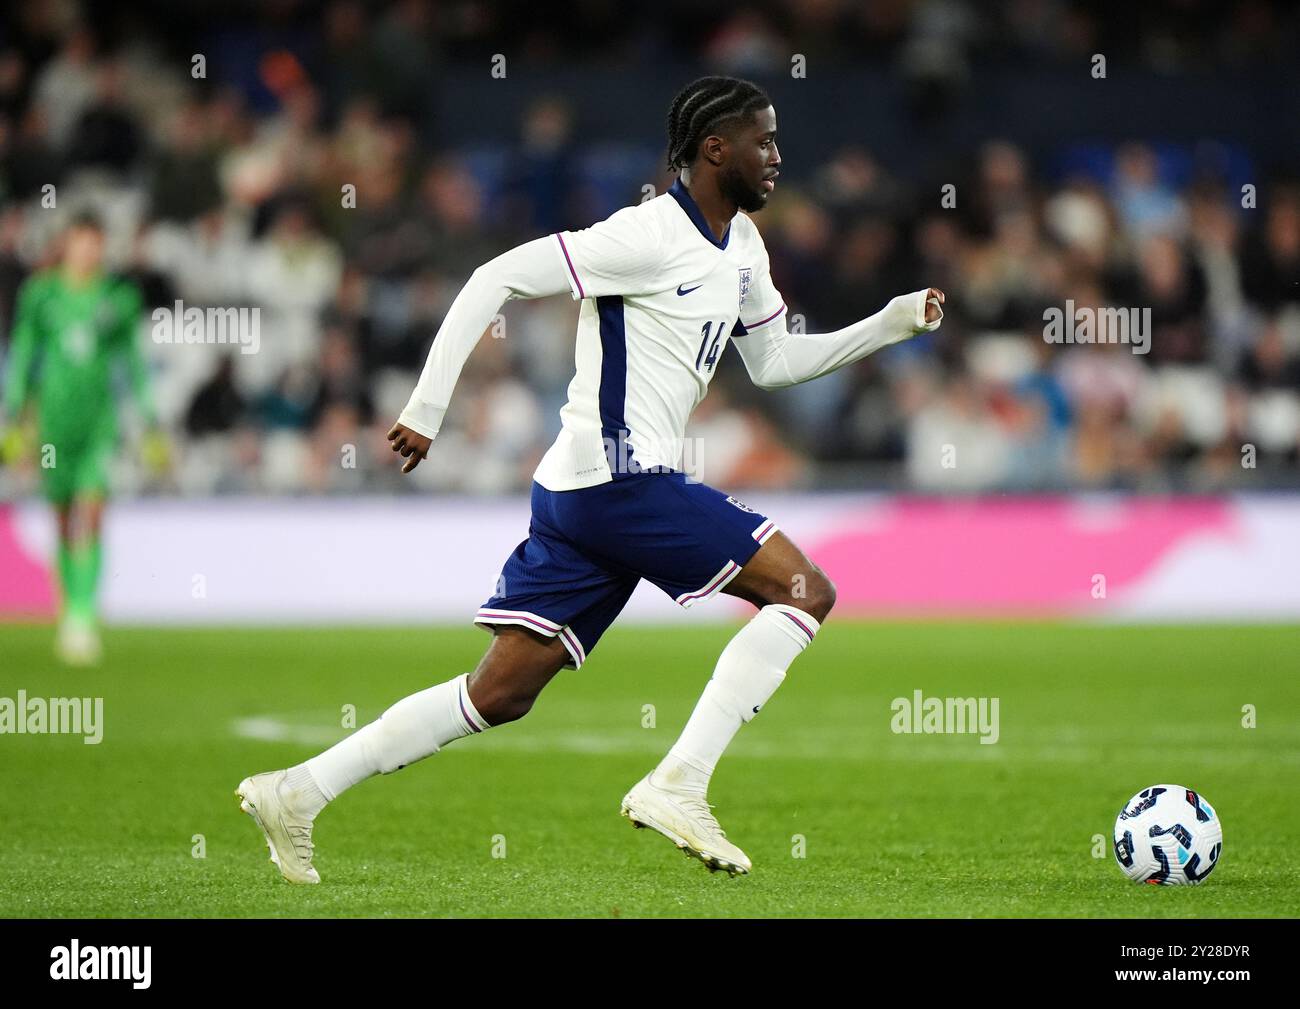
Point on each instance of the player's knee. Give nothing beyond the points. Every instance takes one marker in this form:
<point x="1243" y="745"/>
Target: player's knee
<point x="499" y="700"/>
<point x="821" y="597"/>
<point x="501" y="706"/>
<point x="813" y="593"/>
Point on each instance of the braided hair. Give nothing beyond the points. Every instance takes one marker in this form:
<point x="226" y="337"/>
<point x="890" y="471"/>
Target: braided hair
<point x="704" y="108"/>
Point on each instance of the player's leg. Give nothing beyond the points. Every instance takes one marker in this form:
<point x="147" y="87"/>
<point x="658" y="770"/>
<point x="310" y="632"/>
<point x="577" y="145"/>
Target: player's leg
<point x="517" y="665"/>
<point x="78" y="565"/>
<point x="750" y="559"/>
<point x="76" y="484"/>
<point x="515" y="668"/>
<point x="67" y="638"/>
<point x="63" y="512"/>
<point x="85" y="561"/>
<point x="85" y="522"/>
<point x="90" y="526"/>
<point x="793" y="596"/>
<point x="551" y="605"/>
<point x="780" y="573"/>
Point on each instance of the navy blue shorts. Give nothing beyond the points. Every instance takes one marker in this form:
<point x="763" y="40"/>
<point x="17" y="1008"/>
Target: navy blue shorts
<point x="587" y="549"/>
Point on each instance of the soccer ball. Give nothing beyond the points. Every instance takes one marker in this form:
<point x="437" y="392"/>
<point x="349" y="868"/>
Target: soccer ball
<point x="1168" y="834"/>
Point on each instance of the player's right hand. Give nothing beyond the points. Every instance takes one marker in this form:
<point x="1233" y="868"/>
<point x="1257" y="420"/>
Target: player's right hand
<point x="13" y="444"/>
<point x="412" y="445"/>
<point x="934" y="299"/>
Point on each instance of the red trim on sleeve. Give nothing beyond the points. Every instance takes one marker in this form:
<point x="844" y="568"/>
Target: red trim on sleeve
<point x="567" y="259"/>
<point x="755" y="325"/>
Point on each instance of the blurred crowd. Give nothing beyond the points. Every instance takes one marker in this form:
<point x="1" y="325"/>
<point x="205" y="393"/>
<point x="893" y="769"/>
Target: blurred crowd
<point x="317" y="197"/>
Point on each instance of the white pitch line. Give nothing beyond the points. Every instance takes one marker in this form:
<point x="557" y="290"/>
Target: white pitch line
<point x="275" y="730"/>
<point x="938" y="749"/>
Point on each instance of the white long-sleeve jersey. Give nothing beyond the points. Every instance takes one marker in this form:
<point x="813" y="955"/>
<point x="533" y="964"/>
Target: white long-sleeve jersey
<point x="661" y="299"/>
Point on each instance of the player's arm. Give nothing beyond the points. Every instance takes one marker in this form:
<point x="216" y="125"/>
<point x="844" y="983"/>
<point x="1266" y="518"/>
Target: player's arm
<point x="531" y="270"/>
<point x="775" y="357"/>
<point x="155" y="449"/>
<point x="130" y="306"/>
<point x="618" y="255"/>
<point x="18" y="371"/>
<point x="22" y="352"/>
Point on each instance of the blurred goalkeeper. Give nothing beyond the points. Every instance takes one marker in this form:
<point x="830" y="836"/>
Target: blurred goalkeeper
<point x="74" y="331"/>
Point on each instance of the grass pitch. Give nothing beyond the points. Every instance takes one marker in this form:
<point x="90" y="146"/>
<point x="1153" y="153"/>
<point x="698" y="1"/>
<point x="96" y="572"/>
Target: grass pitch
<point x="840" y="815"/>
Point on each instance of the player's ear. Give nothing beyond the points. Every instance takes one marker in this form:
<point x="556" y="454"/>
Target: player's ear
<point x="714" y="150"/>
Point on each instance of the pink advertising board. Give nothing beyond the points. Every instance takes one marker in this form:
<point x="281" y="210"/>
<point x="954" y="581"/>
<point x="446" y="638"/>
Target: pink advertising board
<point x="317" y="561"/>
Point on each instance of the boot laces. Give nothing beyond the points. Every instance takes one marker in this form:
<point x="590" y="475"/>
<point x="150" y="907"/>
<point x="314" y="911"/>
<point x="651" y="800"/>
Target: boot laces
<point x="300" y="834"/>
<point x="700" y="808"/>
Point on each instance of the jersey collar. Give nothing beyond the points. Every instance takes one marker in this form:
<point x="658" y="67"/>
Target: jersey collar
<point x="682" y="195"/>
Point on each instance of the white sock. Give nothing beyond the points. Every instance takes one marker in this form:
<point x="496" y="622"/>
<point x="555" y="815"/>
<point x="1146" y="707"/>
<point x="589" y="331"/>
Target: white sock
<point x="410" y="730"/>
<point x="748" y="672"/>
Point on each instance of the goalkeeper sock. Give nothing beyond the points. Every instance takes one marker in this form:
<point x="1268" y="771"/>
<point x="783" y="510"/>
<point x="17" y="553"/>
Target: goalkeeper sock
<point x="410" y="730"/>
<point x="93" y="565"/>
<point x="751" y="667"/>
<point x="84" y="560"/>
<point x="67" y="578"/>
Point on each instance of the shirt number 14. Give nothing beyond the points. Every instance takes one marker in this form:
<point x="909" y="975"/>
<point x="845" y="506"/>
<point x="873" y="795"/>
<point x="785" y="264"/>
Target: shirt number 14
<point x="707" y="332"/>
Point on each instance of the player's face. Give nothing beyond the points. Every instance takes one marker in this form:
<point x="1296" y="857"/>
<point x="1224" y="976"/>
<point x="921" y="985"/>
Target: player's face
<point x="753" y="162"/>
<point x="83" y="250"/>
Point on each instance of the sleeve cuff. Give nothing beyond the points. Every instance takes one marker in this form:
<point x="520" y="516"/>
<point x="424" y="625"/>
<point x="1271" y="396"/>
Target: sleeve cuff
<point x="422" y="418"/>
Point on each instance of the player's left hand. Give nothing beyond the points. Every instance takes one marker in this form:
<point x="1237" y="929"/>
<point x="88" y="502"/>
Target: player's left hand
<point x="156" y="451"/>
<point x="411" y="444"/>
<point x="933" y="299"/>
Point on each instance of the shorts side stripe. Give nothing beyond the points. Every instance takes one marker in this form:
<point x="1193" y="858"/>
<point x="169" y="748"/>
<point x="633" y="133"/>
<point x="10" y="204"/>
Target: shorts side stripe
<point x="571" y="642"/>
<point x="522" y="618"/>
<point x="715" y="584"/>
<point x="491" y="616"/>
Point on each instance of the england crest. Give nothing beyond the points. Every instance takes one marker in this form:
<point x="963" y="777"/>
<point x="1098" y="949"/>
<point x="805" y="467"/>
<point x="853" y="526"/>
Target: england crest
<point x="745" y="275"/>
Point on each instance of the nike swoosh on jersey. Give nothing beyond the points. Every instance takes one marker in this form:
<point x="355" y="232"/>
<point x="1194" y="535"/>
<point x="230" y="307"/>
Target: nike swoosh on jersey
<point x="680" y="292"/>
